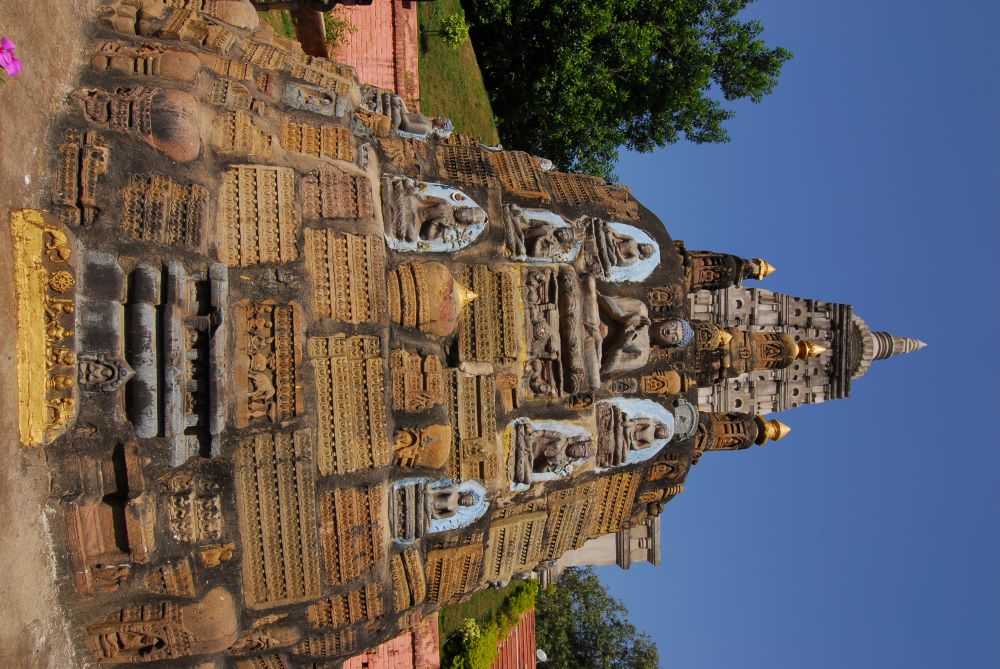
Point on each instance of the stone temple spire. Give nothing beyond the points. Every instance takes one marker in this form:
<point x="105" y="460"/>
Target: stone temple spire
<point x="887" y="345"/>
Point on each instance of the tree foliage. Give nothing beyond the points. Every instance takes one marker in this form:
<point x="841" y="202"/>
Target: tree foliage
<point x="580" y="626"/>
<point x="574" y="80"/>
<point x="474" y="646"/>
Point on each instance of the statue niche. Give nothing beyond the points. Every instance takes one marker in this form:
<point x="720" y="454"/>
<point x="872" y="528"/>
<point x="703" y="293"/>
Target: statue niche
<point x="539" y="236"/>
<point x="421" y="506"/>
<point x="617" y="251"/>
<point x="631" y="430"/>
<point x="545" y="450"/>
<point x="737" y="352"/>
<point x="404" y="122"/>
<point x="421" y="216"/>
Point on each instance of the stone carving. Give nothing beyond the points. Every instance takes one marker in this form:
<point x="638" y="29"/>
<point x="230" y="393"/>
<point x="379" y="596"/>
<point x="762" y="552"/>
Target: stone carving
<point x="266" y="54"/>
<point x="263" y="662"/>
<point x="159" y="209"/>
<point x="408" y="585"/>
<point x="668" y="470"/>
<point x="555" y="309"/>
<point x="319" y="141"/>
<point x="102" y="372"/>
<point x="347" y="608"/>
<point x="352" y="531"/>
<point x="631" y="430"/>
<point x="427" y="446"/>
<point x="464" y="164"/>
<point x="147" y="59"/>
<point x="422" y="506"/>
<point x="536" y="235"/>
<point x="422" y="216"/>
<point x="570" y="521"/>
<point x="235" y="132"/>
<point x="426" y="296"/>
<point x="706" y="270"/>
<point x="131" y="17"/>
<point x="417" y="380"/>
<point x="617" y="494"/>
<point x="471" y="404"/>
<point x="259" y="216"/>
<point x="399" y="118"/>
<point x="322" y="78"/>
<point x="199" y="29"/>
<point x="585" y="190"/>
<point x="663" y="382"/>
<point x="348" y="273"/>
<point x="268" y="362"/>
<point x="194" y="507"/>
<point x="685" y="419"/>
<point x="350" y="398"/>
<point x="233" y="12"/>
<point x="230" y="94"/>
<point x="213" y="556"/>
<point x="83" y="159"/>
<point x="238" y="70"/>
<point x="515" y="541"/>
<point x="265" y="638"/>
<point x="109" y="519"/>
<point x="545" y="450"/>
<point x="616" y="251"/>
<point x="276" y="491"/>
<point x="332" y="644"/>
<point x="321" y="101"/>
<point x="662" y="299"/>
<point x="44" y="264"/>
<point x="490" y="328"/>
<point x="165" y="630"/>
<point x="520" y="174"/>
<point x="453" y="572"/>
<point x="167" y="120"/>
<point x="405" y="155"/>
<point x="173" y="579"/>
<point x="333" y="193"/>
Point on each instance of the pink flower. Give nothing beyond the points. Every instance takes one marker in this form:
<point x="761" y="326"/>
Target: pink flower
<point x="8" y="61"/>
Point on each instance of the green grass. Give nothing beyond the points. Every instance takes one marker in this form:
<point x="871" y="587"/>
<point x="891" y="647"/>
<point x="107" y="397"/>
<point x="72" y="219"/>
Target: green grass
<point x="482" y="606"/>
<point x="280" y="20"/>
<point x="450" y="81"/>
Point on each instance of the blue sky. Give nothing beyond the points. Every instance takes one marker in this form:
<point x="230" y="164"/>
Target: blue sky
<point x="868" y="537"/>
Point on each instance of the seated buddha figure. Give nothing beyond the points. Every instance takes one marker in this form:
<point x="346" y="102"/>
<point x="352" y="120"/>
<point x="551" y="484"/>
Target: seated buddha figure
<point x="546" y="449"/>
<point x="617" y="251"/>
<point x="631" y="430"/>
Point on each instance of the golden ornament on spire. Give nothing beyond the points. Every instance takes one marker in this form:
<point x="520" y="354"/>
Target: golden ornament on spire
<point x="465" y="296"/>
<point x="809" y="349"/>
<point x="771" y="430"/>
<point x="764" y="268"/>
<point x="724" y="337"/>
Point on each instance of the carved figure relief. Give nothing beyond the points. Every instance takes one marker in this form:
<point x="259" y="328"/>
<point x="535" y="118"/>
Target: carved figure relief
<point x="159" y="209"/>
<point x="259" y="216"/>
<point x="348" y="274"/>
<point x="417" y="380"/>
<point x="422" y="216"/>
<point x="350" y="397"/>
<point x="83" y="159"/>
<point x="421" y="506"/>
<point x="45" y="299"/>
<point x="317" y="100"/>
<point x="631" y="430"/>
<point x="618" y="252"/>
<point x="539" y="236"/>
<point x="276" y="491"/>
<point x="545" y="450"/>
<point x="102" y="372"/>
<point x="428" y="446"/>
<point x="194" y="507"/>
<point x="267" y="368"/>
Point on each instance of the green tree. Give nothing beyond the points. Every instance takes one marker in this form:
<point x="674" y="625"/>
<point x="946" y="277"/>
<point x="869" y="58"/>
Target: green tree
<point x="580" y="626"/>
<point x="574" y="80"/>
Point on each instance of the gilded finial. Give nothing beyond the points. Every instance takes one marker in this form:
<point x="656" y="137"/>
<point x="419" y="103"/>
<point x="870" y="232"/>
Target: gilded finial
<point x="809" y="349"/>
<point x="724" y="337"/>
<point x="465" y="296"/>
<point x="771" y="430"/>
<point x="764" y="268"/>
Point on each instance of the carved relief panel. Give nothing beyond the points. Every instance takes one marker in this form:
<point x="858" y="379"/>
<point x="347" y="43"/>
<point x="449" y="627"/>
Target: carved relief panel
<point x="267" y="368"/>
<point x="258" y="215"/>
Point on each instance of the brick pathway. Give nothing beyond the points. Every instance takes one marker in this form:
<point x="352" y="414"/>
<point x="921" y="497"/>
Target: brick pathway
<point x="384" y="45"/>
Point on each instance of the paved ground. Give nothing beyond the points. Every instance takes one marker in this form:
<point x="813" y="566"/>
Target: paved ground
<point x="47" y="34"/>
<point x="383" y="46"/>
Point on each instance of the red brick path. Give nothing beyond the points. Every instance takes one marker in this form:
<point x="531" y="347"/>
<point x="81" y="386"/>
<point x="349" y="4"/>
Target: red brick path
<point x="517" y="651"/>
<point x="384" y="45"/>
<point x="416" y="649"/>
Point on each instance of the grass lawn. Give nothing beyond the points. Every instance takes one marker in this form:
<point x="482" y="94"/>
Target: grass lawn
<point x="280" y="20"/>
<point x="450" y="82"/>
<point x="480" y="606"/>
